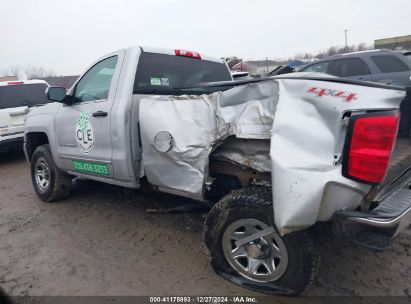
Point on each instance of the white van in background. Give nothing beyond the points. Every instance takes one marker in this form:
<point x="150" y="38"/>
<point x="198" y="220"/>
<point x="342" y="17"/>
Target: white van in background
<point x="16" y="97"/>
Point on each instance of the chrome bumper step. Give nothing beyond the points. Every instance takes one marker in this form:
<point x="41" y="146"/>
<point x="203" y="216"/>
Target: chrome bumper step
<point x="372" y="228"/>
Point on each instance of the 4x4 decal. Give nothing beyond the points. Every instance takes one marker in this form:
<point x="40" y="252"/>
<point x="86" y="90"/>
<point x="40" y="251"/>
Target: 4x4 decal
<point x="346" y="96"/>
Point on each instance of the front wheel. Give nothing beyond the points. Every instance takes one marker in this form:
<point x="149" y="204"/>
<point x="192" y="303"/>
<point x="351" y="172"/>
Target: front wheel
<point x="49" y="182"/>
<point x="235" y="233"/>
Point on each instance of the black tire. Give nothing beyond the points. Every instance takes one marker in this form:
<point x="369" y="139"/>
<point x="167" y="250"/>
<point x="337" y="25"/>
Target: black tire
<point x="59" y="185"/>
<point x="256" y="203"/>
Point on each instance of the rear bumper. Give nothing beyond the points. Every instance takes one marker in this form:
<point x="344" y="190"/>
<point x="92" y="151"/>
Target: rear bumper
<point x="391" y="216"/>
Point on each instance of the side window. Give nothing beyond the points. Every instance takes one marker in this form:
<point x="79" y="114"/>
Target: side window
<point x="389" y="64"/>
<point x="316" y="68"/>
<point x="95" y="84"/>
<point x="348" y="67"/>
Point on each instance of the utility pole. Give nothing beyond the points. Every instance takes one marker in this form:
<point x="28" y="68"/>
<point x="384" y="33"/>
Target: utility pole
<point x="346" y="41"/>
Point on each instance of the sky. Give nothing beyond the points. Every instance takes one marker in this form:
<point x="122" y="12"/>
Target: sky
<point x="67" y="36"/>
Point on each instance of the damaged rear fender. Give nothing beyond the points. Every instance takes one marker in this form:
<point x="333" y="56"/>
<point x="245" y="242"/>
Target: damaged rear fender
<point x="307" y="139"/>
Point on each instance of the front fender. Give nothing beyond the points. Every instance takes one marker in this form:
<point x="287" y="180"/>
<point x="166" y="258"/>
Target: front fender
<point x="41" y="120"/>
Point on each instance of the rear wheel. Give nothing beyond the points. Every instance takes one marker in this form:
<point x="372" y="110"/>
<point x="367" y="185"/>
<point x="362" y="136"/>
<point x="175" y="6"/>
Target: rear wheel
<point x="50" y="183"/>
<point x="247" y="250"/>
<point x="262" y="260"/>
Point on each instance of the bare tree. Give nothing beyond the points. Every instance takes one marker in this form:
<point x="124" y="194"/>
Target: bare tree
<point x="362" y="47"/>
<point x="308" y="56"/>
<point x="33" y="72"/>
<point x="12" y="70"/>
<point x="298" y="56"/>
<point x="27" y="72"/>
<point x="335" y="50"/>
<point x="332" y="51"/>
<point x="305" y="57"/>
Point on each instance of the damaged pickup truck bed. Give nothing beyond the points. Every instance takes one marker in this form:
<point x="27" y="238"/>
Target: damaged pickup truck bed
<point x="273" y="157"/>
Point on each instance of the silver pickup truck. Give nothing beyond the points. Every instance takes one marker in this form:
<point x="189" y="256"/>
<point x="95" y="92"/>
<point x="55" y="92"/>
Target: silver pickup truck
<point x="273" y="157"/>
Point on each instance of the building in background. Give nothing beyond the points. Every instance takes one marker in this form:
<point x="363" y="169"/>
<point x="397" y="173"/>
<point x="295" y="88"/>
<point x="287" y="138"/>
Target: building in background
<point x="395" y="43"/>
<point x="8" y="78"/>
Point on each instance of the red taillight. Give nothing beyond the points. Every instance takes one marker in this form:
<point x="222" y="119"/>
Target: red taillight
<point x="188" y="54"/>
<point x="15" y="82"/>
<point x="371" y="145"/>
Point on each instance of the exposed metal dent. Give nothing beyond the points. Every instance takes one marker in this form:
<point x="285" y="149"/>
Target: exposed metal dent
<point x="260" y="163"/>
<point x="248" y="111"/>
<point x="244" y="174"/>
<point x="249" y="153"/>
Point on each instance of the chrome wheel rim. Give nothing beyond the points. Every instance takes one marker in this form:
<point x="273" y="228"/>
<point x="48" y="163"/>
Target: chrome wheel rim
<point x="264" y="259"/>
<point x="42" y="174"/>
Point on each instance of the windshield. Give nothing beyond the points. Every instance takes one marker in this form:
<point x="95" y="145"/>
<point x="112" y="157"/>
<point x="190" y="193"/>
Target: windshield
<point x="13" y="96"/>
<point x="169" y="75"/>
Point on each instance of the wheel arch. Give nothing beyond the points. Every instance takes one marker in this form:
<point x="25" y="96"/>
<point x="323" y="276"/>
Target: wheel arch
<point x="34" y="140"/>
<point x="255" y="202"/>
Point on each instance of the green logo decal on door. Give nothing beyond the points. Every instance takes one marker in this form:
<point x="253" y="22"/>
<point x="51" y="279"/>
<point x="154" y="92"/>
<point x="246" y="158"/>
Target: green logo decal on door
<point x="85" y="133"/>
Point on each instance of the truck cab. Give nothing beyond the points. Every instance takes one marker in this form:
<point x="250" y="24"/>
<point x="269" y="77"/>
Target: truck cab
<point x="93" y="127"/>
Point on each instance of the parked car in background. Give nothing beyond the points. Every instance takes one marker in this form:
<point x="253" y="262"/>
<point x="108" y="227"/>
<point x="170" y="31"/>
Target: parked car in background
<point x="390" y="67"/>
<point x="241" y="76"/>
<point x="16" y="97"/>
<point x="291" y="67"/>
<point x="385" y="66"/>
<point x="282" y="69"/>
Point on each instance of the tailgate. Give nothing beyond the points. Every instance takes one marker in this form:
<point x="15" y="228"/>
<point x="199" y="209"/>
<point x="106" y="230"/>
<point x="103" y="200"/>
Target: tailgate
<point x="401" y="158"/>
<point x="12" y="121"/>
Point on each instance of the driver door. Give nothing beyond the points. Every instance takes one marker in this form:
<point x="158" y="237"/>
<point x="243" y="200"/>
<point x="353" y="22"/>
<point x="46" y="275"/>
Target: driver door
<point x="83" y="128"/>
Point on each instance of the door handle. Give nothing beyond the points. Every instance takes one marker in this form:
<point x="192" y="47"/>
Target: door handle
<point x="100" y="114"/>
<point x="16" y="113"/>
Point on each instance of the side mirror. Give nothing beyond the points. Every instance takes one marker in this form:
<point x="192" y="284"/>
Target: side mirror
<point x="56" y="93"/>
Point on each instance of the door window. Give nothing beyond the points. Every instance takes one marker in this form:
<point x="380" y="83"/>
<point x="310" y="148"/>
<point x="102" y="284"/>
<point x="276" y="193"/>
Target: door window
<point x="389" y="64"/>
<point x="348" y="67"/>
<point x="95" y="84"/>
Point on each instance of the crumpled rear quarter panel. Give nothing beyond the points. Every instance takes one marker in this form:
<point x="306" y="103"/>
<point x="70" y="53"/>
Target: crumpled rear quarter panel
<point x="306" y="144"/>
<point x="197" y="124"/>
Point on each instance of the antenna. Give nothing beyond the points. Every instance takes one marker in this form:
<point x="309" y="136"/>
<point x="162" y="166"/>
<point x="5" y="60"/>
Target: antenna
<point x="346" y="40"/>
